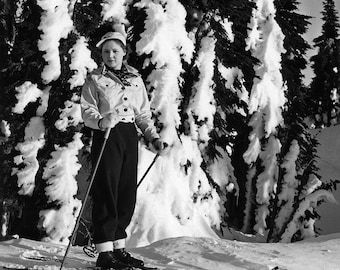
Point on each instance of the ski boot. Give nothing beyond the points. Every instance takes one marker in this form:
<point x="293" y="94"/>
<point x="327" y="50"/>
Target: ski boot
<point x="108" y="261"/>
<point x="122" y="255"/>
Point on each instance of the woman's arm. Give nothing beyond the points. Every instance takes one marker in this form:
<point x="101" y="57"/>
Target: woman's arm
<point x="89" y="104"/>
<point x="143" y="114"/>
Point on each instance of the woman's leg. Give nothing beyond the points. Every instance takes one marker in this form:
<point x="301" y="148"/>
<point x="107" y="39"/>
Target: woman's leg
<point x="105" y="186"/>
<point x="128" y="182"/>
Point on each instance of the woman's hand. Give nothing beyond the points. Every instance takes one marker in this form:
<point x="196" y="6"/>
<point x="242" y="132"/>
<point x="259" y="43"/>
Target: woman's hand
<point x="109" y="121"/>
<point x="159" y="146"/>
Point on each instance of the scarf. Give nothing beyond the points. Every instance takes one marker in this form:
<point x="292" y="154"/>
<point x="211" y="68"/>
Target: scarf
<point x="122" y="74"/>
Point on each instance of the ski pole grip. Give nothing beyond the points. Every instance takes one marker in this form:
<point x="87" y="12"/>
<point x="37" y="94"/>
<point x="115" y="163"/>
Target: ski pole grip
<point x="107" y="133"/>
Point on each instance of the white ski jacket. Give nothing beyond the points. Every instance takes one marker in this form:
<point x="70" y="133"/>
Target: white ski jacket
<point x="104" y="93"/>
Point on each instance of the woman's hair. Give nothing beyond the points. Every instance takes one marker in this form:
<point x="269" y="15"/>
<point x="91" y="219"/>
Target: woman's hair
<point x="117" y="41"/>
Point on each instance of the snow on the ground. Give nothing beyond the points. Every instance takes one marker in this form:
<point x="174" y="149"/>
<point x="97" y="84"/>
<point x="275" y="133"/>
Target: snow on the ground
<point x="186" y="253"/>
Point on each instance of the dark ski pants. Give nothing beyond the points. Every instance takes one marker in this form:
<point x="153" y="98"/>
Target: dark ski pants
<point x="115" y="184"/>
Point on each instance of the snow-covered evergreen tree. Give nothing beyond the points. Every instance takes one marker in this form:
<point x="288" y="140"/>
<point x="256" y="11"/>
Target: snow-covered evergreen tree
<point x="43" y="113"/>
<point x="265" y="105"/>
<point x="278" y="191"/>
<point x="325" y="86"/>
<point x="281" y="153"/>
<point x="298" y="147"/>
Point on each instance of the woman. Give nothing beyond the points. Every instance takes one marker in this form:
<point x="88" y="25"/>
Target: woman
<point x="114" y="97"/>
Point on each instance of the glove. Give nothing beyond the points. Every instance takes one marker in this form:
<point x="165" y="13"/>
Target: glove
<point x="109" y="121"/>
<point x="159" y="146"/>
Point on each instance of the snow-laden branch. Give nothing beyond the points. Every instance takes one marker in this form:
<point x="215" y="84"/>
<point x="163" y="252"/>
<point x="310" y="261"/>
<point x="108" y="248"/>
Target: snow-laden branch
<point x="59" y="224"/>
<point x="27" y="161"/>
<point x="267" y="98"/>
<point x="26" y="93"/>
<point x="81" y="62"/>
<point x="165" y="35"/>
<point x="60" y="173"/>
<point x="115" y="10"/>
<point x="5" y="131"/>
<point x="267" y="179"/>
<point x="222" y="172"/>
<point x="70" y="115"/>
<point x="230" y="74"/>
<point x="202" y="103"/>
<point x="56" y="23"/>
<point x="265" y="40"/>
<point x="313" y="183"/>
<point x="266" y="182"/>
<point x="308" y="203"/>
<point x="289" y="185"/>
<point x="166" y="41"/>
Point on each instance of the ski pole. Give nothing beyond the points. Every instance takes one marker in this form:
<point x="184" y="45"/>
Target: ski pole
<point x="106" y="136"/>
<point x="148" y="169"/>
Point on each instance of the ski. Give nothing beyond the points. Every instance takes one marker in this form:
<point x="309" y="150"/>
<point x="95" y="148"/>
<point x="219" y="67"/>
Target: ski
<point x="134" y="268"/>
<point x="41" y="258"/>
<point x="146" y="268"/>
<point x="104" y="268"/>
<point x="17" y="267"/>
<point x="142" y="267"/>
<point x="87" y="268"/>
<point x="21" y="267"/>
<point x="54" y="259"/>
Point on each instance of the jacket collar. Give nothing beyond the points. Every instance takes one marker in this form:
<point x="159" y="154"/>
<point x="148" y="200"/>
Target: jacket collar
<point x="129" y="68"/>
<point x="104" y="71"/>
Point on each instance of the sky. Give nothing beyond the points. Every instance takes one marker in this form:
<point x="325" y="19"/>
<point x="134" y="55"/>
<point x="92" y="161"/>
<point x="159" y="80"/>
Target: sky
<point x="313" y="8"/>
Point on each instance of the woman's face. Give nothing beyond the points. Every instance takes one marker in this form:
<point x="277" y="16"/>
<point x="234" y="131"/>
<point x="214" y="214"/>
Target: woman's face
<point x="113" y="54"/>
